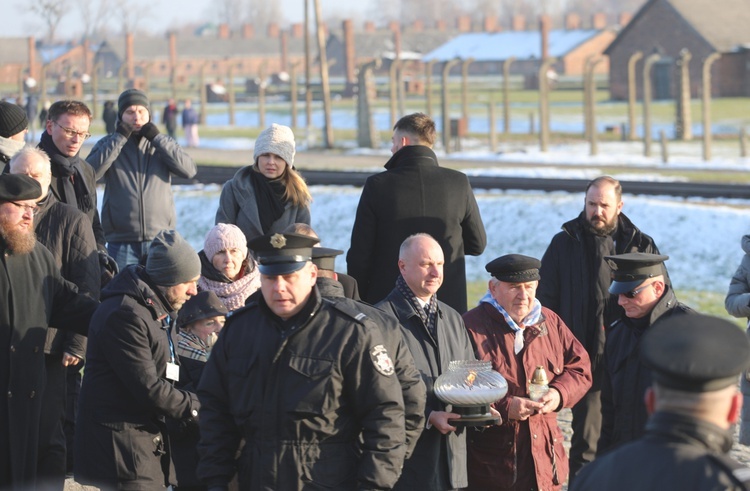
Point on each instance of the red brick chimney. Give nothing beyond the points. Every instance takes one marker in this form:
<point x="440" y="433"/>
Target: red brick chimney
<point x="129" y="59"/>
<point x="298" y="30"/>
<point x="440" y="25"/>
<point x="599" y="20"/>
<point x="223" y="31"/>
<point x="32" y="57"/>
<point x="394" y="26"/>
<point x="418" y="25"/>
<point x="490" y="23"/>
<point x="519" y="22"/>
<point x="369" y="27"/>
<point x="273" y="30"/>
<point x="544" y="27"/>
<point x="572" y="21"/>
<point x="624" y="18"/>
<point x="247" y="31"/>
<point x="463" y="23"/>
<point x="284" y="40"/>
<point x="172" y="38"/>
<point x="349" y="58"/>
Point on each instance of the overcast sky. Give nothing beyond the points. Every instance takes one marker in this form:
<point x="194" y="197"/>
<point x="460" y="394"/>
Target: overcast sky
<point x="163" y="14"/>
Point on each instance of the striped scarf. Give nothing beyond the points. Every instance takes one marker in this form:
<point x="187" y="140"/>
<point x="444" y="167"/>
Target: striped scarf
<point x="429" y="321"/>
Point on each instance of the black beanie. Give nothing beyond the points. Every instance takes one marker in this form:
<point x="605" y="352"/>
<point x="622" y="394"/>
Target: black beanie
<point x="12" y="119"/>
<point x="131" y="97"/>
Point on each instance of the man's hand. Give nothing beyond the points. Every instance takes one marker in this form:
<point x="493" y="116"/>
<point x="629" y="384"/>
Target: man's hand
<point x="124" y="129"/>
<point x="551" y="401"/>
<point x="496" y="413"/>
<point x="70" y="360"/>
<point x="439" y="419"/>
<point x="149" y="131"/>
<point x="521" y="408"/>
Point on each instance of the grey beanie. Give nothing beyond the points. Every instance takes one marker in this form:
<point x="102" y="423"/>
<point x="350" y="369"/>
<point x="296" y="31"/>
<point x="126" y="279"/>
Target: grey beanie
<point x="132" y="97"/>
<point x="171" y="260"/>
<point x="279" y="140"/>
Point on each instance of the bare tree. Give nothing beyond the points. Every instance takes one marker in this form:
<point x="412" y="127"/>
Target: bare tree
<point x="93" y="15"/>
<point x="230" y="12"/>
<point x="50" y="11"/>
<point x="130" y="13"/>
<point x="260" y="13"/>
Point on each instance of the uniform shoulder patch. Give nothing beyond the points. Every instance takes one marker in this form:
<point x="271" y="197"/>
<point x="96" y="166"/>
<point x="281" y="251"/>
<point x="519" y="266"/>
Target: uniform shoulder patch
<point x="382" y="360"/>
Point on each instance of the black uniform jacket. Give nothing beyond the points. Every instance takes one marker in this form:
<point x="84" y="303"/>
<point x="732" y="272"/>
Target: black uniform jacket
<point x="438" y="461"/>
<point x="626" y="378"/>
<point x="33" y="296"/>
<point x="414" y="195"/>
<point x="300" y="392"/>
<point x="125" y="395"/>
<point x="677" y="452"/>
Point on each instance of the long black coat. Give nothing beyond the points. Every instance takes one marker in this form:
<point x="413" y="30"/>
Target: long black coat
<point x="414" y="195"/>
<point x="438" y="461"/>
<point x="626" y="379"/>
<point x="125" y="395"/>
<point x="566" y="281"/>
<point x="33" y="296"/>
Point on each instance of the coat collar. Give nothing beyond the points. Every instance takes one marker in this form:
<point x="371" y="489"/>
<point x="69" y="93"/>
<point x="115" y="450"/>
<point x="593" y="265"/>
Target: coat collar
<point x="412" y="155"/>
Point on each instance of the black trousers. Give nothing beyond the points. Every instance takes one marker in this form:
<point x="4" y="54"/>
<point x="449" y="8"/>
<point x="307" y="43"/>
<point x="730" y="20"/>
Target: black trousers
<point x="51" y="462"/>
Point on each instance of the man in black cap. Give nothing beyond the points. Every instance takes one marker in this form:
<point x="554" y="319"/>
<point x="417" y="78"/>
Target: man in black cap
<point x="13" y="127"/>
<point x="128" y="389"/>
<point x="514" y="331"/>
<point x="435" y="335"/>
<point x="137" y="163"/>
<point x="693" y="402"/>
<point x="33" y="296"/>
<point x="645" y="296"/>
<point x="575" y="283"/>
<point x="301" y="379"/>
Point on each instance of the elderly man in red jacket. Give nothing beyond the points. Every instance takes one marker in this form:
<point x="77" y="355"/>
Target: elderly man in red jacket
<point x="511" y="329"/>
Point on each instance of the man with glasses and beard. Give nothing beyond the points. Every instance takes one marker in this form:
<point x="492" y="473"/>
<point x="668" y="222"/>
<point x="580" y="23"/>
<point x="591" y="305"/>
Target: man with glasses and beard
<point x="33" y="296"/>
<point x="645" y="296"/>
<point x="575" y="282"/>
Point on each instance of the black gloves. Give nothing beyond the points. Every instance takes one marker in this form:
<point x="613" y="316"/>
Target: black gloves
<point x="149" y="130"/>
<point x="108" y="267"/>
<point x="124" y="129"/>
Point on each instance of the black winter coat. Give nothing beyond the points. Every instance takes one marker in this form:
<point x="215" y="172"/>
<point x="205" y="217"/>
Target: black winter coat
<point x="302" y="393"/>
<point x="66" y="232"/>
<point x="414" y="195"/>
<point x="626" y="379"/>
<point x="438" y="461"/>
<point x="565" y="285"/>
<point x="125" y="396"/>
<point x="33" y="296"/>
<point x="677" y="452"/>
<point x="83" y="168"/>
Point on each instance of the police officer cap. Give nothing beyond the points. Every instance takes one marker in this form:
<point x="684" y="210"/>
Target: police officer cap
<point x="280" y="254"/>
<point x="204" y="305"/>
<point x="631" y="269"/>
<point x="695" y="353"/>
<point x="325" y="258"/>
<point x="514" y="268"/>
<point x="18" y="187"/>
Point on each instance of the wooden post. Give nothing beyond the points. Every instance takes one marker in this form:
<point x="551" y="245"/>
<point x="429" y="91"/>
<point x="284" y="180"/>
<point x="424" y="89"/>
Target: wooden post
<point x="465" y="89"/>
<point x="743" y="142"/>
<point x="664" y="149"/>
<point x="204" y="94"/>
<point x="367" y="134"/>
<point x="94" y="89"/>
<point x="230" y="93"/>
<point x="544" y="118"/>
<point x="293" y="92"/>
<point x="591" y="106"/>
<point x="647" y="65"/>
<point x="393" y="89"/>
<point x="493" y="132"/>
<point x="446" y="105"/>
<point x="707" y="136"/>
<point x="327" y="129"/>
<point x="684" y="122"/>
<point x="506" y="95"/>
<point x="43" y="86"/>
<point x="428" y="85"/>
<point x="632" y="94"/>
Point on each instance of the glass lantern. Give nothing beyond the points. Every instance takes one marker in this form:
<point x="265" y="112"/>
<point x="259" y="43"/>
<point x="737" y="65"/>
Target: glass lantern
<point x="470" y="387"/>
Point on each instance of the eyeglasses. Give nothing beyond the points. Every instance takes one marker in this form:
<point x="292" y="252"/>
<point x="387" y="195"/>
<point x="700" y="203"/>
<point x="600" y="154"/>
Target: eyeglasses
<point x="70" y="133"/>
<point x="32" y="208"/>
<point x="634" y="293"/>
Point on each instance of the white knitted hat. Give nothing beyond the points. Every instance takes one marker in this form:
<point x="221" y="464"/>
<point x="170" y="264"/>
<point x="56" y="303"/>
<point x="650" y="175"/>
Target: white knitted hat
<point x="279" y="140"/>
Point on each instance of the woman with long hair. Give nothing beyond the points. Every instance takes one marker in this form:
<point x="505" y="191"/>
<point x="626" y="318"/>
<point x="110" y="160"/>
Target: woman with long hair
<point x="269" y="195"/>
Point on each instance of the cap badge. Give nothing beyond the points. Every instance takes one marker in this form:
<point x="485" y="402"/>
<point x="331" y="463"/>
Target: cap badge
<point x="278" y="241"/>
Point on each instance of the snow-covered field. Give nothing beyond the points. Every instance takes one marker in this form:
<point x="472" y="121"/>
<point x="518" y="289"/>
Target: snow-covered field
<point x="702" y="237"/>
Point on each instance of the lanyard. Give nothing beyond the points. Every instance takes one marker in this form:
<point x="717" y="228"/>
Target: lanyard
<point x="168" y="321"/>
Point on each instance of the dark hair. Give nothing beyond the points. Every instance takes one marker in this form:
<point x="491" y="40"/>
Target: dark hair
<point x="606" y="180"/>
<point x="419" y="126"/>
<point x="74" y="108"/>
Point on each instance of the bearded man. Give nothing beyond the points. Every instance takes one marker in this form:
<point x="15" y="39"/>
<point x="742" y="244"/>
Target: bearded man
<point x="33" y="296"/>
<point x="575" y="281"/>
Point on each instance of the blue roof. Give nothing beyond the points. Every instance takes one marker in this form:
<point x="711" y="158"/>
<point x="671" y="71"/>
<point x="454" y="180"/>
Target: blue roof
<point x="484" y="46"/>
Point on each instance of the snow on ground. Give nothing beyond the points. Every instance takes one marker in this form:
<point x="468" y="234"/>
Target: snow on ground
<point x="701" y="236"/>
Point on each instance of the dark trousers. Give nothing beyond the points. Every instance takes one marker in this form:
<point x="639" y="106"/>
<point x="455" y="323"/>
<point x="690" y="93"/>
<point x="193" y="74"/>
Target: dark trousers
<point x="73" y="382"/>
<point x="51" y="461"/>
<point x="587" y="425"/>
